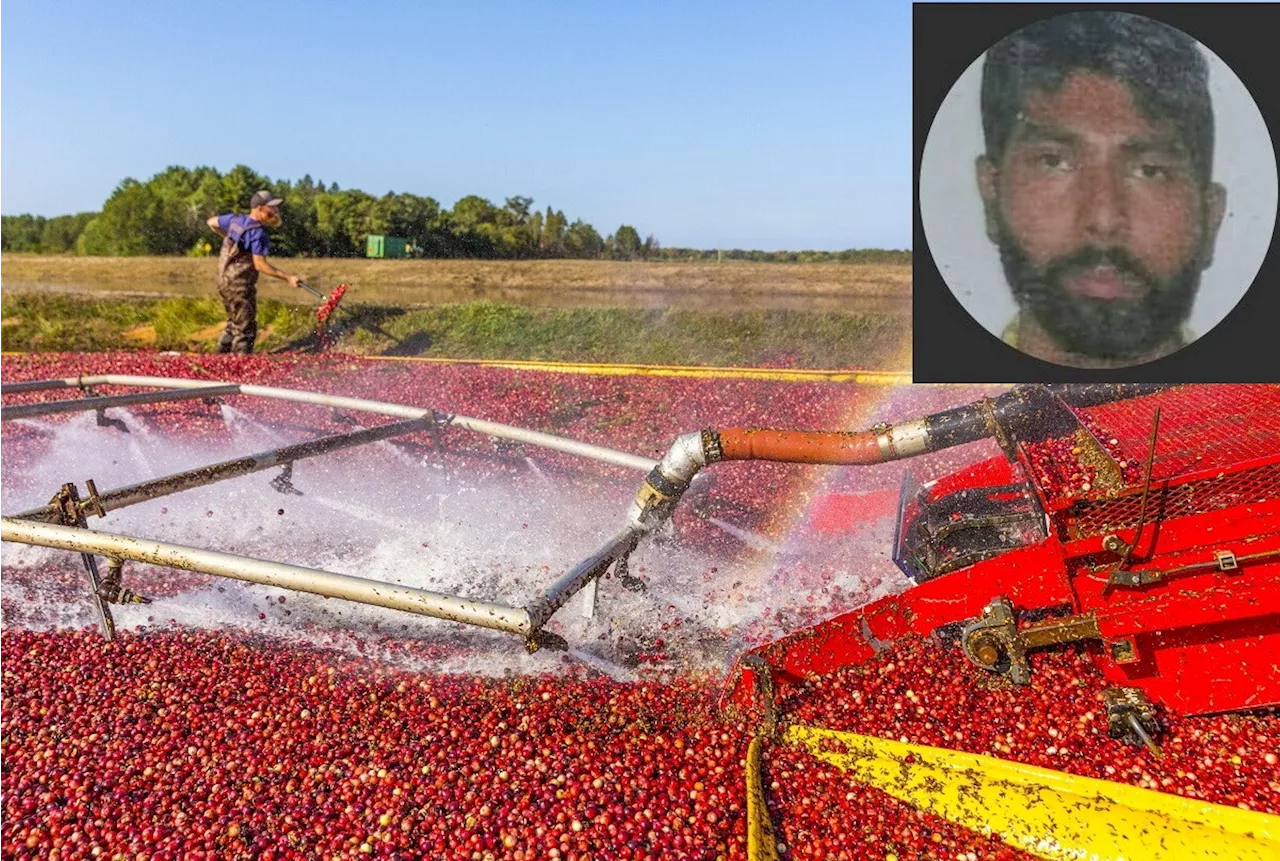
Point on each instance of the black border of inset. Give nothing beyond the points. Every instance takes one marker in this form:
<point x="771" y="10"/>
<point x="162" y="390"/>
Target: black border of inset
<point x="949" y="345"/>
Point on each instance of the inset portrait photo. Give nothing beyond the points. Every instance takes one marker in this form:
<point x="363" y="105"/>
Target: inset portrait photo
<point x="1097" y="190"/>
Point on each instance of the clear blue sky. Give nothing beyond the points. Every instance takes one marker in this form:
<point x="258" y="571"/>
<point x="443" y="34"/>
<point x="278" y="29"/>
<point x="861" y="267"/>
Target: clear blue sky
<point x="715" y="124"/>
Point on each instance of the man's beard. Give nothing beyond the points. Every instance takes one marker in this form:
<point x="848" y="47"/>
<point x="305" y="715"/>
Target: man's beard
<point x="1113" y="329"/>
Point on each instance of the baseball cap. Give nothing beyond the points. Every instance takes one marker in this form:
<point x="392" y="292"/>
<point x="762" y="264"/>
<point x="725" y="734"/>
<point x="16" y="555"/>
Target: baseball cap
<point x="264" y="198"/>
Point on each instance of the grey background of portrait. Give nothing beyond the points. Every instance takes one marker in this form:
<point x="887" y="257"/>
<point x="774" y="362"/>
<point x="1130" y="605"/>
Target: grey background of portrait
<point x="951" y="210"/>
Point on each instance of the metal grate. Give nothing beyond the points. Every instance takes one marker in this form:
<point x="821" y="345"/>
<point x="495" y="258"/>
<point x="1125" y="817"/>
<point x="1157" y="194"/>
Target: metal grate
<point x="1259" y="484"/>
<point x="1201" y="427"/>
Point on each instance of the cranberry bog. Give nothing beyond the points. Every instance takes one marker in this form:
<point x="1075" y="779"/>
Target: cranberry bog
<point x="235" y="719"/>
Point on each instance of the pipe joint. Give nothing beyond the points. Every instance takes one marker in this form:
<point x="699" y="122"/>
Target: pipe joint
<point x="667" y="482"/>
<point x="904" y="439"/>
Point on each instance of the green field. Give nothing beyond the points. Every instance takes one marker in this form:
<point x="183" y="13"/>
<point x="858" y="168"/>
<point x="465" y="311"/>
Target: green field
<point x="478" y="330"/>
<point x="794" y="315"/>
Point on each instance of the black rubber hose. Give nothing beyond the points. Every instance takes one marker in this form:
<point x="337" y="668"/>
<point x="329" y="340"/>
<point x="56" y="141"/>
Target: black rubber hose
<point x="1028" y="412"/>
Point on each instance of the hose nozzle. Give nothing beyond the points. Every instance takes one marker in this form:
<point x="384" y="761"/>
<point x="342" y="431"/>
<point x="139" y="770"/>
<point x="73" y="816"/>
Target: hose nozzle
<point x="667" y="482"/>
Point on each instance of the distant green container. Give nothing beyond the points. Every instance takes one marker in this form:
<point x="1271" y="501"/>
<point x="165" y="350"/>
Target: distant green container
<point x="386" y="246"/>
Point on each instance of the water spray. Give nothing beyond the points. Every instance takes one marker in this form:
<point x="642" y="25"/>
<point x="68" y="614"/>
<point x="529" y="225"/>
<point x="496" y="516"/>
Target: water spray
<point x="1022" y="413"/>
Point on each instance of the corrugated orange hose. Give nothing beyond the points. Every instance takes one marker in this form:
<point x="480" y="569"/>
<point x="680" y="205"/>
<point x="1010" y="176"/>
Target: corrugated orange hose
<point x="823" y="447"/>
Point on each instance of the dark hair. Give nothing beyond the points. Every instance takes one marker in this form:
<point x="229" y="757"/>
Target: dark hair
<point x="1160" y="64"/>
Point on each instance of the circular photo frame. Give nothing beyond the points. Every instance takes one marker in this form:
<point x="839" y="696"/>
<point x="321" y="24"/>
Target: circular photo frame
<point x="1091" y="194"/>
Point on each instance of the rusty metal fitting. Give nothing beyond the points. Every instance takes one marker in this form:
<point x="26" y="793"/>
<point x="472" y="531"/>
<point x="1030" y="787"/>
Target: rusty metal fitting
<point x="986" y="650"/>
<point x="111" y="590"/>
<point x="93" y="504"/>
<point x="712" y="451"/>
<point x="666" y="483"/>
<point x="995" y="633"/>
<point x="1131" y="717"/>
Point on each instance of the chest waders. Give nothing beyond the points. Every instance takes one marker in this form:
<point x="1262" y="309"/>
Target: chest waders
<point x="238" y="287"/>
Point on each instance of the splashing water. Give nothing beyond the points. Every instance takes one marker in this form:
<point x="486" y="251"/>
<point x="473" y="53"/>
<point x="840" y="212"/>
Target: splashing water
<point x="245" y="427"/>
<point x="749" y="537"/>
<point x="536" y="470"/>
<point x="501" y="538"/>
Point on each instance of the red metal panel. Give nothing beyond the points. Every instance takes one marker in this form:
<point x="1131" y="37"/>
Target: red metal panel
<point x="1204" y="640"/>
<point x="1031" y="576"/>
<point x="1206" y="668"/>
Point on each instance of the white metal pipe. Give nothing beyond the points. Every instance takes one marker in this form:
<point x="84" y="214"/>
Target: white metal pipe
<point x="395" y="597"/>
<point x="558" y="593"/>
<point x="35" y="386"/>
<point x="47" y="408"/>
<point x="516" y="434"/>
<point x="154" y="488"/>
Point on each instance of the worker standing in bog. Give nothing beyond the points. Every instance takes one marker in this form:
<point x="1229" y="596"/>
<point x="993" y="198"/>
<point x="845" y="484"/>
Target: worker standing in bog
<point x="245" y="246"/>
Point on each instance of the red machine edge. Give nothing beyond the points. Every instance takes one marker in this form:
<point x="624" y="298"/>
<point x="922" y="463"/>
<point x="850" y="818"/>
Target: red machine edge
<point x="1171" y="580"/>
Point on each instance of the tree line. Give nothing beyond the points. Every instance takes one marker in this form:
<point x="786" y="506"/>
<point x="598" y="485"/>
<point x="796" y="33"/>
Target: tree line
<point x="167" y="213"/>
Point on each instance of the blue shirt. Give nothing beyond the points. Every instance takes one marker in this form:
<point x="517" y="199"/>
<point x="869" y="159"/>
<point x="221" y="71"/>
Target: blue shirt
<point x="250" y="235"/>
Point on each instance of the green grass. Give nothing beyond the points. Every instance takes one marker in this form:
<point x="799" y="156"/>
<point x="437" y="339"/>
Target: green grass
<point x="479" y="330"/>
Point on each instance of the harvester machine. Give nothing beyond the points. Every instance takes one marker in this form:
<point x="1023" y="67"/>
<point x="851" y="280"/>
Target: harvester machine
<point x="1142" y="522"/>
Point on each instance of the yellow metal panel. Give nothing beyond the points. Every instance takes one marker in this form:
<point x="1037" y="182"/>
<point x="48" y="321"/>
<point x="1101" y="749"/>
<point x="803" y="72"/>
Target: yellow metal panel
<point x="762" y="843"/>
<point x="873" y="378"/>
<point x="1048" y="813"/>
<point x="866" y="378"/>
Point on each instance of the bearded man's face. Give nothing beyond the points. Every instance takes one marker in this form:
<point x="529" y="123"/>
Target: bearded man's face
<point x="1103" y="227"/>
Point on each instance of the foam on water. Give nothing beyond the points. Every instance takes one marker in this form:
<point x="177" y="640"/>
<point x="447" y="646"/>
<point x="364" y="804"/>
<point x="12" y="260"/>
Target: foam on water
<point x="486" y="536"/>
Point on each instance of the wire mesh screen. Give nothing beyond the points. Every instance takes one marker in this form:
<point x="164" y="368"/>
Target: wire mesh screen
<point x="1259" y="484"/>
<point x="1201" y="427"/>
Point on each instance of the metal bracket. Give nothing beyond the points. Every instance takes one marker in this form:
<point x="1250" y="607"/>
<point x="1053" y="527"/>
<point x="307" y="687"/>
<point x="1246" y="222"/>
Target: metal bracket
<point x="631" y="584"/>
<point x="1120" y="577"/>
<point x="877" y="645"/>
<point x="94" y="503"/>
<point x="1131" y="717"/>
<point x="991" y="641"/>
<point x="70" y="513"/>
<point x="283" y="483"/>
<point x="104" y="422"/>
<point x="994" y="641"/>
<point x="1115" y="544"/>
<point x="1227" y="560"/>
